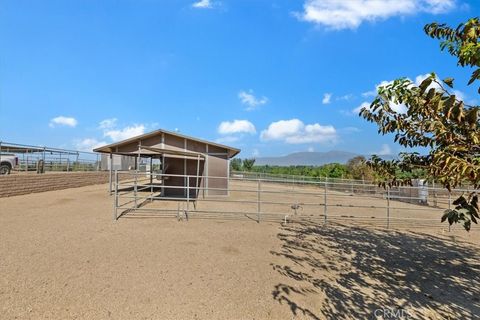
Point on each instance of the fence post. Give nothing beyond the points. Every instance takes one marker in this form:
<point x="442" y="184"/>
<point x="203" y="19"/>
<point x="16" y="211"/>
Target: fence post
<point x="325" y="203"/>
<point x="110" y="175"/>
<point x="135" y="184"/>
<point x="388" y="207"/>
<point x="115" y="199"/>
<point x="258" y="200"/>
<point x="188" y="193"/>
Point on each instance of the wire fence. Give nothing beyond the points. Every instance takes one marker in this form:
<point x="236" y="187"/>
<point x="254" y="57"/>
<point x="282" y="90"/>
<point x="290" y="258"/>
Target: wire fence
<point x="141" y="195"/>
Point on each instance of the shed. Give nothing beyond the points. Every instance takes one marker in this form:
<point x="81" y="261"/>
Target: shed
<point x="206" y="163"/>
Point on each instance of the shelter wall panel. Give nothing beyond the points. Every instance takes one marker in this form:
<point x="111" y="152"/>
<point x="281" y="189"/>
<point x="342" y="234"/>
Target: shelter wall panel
<point x="215" y="149"/>
<point x="174" y="141"/>
<point x="217" y="167"/>
<point x="174" y="166"/>
<point x="152" y="141"/>
<point x="192" y="170"/>
<point x="119" y="162"/>
<point x="196" y="146"/>
<point x="133" y="147"/>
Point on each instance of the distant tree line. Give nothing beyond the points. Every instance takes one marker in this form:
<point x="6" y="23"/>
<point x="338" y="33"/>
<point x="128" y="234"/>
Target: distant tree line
<point x="355" y="168"/>
<point x="237" y="164"/>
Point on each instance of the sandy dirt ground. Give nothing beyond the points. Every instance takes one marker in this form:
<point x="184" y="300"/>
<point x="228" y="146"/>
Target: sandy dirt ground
<point x="63" y="257"/>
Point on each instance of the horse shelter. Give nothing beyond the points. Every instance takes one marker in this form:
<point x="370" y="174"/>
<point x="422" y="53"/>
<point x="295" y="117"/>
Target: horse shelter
<point x="177" y="166"/>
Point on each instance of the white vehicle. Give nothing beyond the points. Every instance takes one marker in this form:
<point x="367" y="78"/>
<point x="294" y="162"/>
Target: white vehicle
<point x="7" y="163"/>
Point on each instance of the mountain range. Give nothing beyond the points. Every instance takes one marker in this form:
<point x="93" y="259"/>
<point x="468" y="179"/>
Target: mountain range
<point x="307" y="158"/>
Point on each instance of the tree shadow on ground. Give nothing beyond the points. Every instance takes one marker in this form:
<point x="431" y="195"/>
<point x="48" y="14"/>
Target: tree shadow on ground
<point x="339" y="272"/>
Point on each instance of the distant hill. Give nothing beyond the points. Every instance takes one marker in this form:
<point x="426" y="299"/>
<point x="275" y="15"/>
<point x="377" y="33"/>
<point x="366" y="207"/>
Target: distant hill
<point x="307" y="158"/>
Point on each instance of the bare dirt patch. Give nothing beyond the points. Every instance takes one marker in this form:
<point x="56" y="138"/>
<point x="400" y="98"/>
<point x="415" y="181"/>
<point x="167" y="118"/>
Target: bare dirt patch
<point x="69" y="260"/>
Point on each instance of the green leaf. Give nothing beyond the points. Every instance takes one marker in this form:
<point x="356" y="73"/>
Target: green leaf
<point x="445" y="215"/>
<point x="424" y="85"/>
<point x="448" y="82"/>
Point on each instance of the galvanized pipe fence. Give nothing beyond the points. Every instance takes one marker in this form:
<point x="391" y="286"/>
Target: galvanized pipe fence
<point x="51" y="159"/>
<point x="144" y="194"/>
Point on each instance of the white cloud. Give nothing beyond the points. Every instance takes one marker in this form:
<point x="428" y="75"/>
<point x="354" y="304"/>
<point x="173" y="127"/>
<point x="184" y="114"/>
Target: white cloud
<point x="125" y="133"/>
<point x="281" y="129"/>
<point x="89" y="144"/>
<point x="255" y="153"/>
<point x="384" y="151"/>
<point x="419" y="79"/>
<point x="373" y="93"/>
<point x="236" y="126"/>
<point x="294" y="131"/>
<point x="111" y="131"/>
<point x="349" y="14"/>
<point x="400" y="108"/>
<point x="311" y="149"/>
<point x="249" y="99"/>
<point x="326" y="98"/>
<point x="203" y="4"/>
<point x="63" y="121"/>
<point x="108" y="123"/>
<point x="460" y="96"/>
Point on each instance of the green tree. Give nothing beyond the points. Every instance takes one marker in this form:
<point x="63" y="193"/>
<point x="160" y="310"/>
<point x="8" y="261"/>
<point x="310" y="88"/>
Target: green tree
<point x="358" y="168"/>
<point x="248" y="164"/>
<point x="438" y="120"/>
<point x="236" y="164"/>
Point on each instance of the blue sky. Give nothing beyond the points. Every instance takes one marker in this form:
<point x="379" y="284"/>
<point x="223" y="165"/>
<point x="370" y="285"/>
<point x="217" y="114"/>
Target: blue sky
<point x="268" y="76"/>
